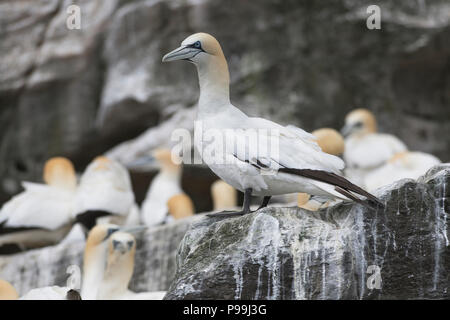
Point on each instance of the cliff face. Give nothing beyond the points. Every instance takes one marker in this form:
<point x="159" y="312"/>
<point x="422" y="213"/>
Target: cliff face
<point x="80" y="92"/>
<point x="344" y="252"/>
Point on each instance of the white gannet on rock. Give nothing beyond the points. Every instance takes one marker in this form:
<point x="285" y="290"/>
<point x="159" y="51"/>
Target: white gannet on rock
<point x="331" y="142"/>
<point x="180" y="206"/>
<point x="51" y="293"/>
<point x="403" y="165"/>
<point x="119" y="270"/>
<point x="298" y="166"/>
<point x="164" y="185"/>
<point x="365" y="148"/>
<point x="42" y="214"/>
<point x="223" y="195"/>
<point x="104" y="190"/>
<point x="7" y="291"/>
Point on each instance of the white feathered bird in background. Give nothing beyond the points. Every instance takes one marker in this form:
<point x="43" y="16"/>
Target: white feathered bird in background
<point x="365" y="148"/>
<point x="104" y="190"/>
<point x="119" y="270"/>
<point x="166" y="184"/>
<point x="403" y="165"/>
<point x="42" y="214"/>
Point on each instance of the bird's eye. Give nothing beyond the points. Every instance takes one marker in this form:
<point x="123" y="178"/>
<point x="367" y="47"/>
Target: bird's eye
<point x="359" y="124"/>
<point x="197" y="44"/>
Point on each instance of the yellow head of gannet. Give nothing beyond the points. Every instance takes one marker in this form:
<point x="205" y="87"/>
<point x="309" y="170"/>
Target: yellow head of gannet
<point x="59" y="172"/>
<point x="205" y="52"/>
<point x="330" y="141"/>
<point x="180" y="206"/>
<point x="7" y="291"/>
<point x="359" y="122"/>
<point x="223" y="195"/>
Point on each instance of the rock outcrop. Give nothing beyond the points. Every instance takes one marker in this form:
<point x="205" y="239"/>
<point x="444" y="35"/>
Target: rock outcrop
<point x="80" y="92"/>
<point x="344" y="252"/>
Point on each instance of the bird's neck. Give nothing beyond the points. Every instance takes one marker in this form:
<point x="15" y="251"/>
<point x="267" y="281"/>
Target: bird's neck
<point x="93" y="269"/>
<point x="214" y="80"/>
<point x="116" y="278"/>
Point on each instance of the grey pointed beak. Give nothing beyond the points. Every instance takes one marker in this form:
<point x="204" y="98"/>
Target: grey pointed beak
<point x="181" y="53"/>
<point x="133" y="229"/>
<point x="346" y="130"/>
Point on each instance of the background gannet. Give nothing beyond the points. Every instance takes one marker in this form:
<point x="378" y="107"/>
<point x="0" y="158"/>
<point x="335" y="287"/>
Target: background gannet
<point x="51" y="293"/>
<point x="330" y="141"/>
<point x="403" y="165"/>
<point x="223" y="195"/>
<point x="104" y="190"/>
<point x="164" y="185"/>
<point x="94" y="259"/>
<point x="299" y="166"/>
<point x="42" y="214"/>
<point x="119" y="270"/>
<point x="180" y="206"/>
<point x="365" y="149"/>
<point x="7" y="291"/>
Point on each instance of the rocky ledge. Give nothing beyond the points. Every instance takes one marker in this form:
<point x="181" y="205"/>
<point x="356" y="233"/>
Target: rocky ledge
<point x="344" y="252"/>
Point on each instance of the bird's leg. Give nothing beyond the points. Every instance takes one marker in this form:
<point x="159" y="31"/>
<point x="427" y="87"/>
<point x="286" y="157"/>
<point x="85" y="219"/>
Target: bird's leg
<point x="245" y="207"/>
<point x="265" y="202"/>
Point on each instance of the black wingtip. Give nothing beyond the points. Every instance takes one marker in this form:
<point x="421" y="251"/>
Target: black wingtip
<point x="73" y="295"/>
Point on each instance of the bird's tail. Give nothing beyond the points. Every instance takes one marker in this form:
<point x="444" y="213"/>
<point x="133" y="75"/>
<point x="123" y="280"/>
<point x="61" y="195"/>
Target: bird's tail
<point x="342" y="187"/>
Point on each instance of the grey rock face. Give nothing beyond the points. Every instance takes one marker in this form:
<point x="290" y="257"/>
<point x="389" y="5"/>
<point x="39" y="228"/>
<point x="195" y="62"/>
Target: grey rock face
<point x="290" y="253"/>
<point x="80" y="92"/>
<point x="155" y="261"/>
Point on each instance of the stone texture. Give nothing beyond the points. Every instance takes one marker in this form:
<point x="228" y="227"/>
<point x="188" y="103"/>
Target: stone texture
<point x="80" y="92"/>
<point x="290" y="253"/>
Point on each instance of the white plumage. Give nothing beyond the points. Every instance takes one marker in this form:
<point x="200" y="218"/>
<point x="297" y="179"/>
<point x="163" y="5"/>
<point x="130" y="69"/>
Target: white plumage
<point x="119" y="270"/>
<point x="48" y="208"/>
<point x="365" y="148"/>
<point x="371" y="150"/>
<point x="164" y="185"/>
<point x="105" y="186"/>
<point x="240" y="149"/>
<point x="404" y="165"/>
<point x="47" y="293"/>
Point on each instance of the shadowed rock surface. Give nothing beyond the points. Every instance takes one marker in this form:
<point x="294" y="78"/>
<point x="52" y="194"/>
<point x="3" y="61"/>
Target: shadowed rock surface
<point x="290" y="253"/>
<point x="80" y="92"/>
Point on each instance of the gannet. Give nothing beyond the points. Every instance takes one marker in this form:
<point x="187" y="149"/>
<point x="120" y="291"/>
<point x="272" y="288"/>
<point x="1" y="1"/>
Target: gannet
<point x="104" y="190"/>
<point x="402" y="165"/>
<point x="223" y="195"/>
<point x="331" y="142"/>
<point x="42" y="214"/>
<point x="180" y="206"/>
<point x="365" y="149"/>
<point x="298" y="166"/>
<point x="164" y="185"/>
<point x="7" y="291"/>
<point x="94" y="259"/>
<point x="119" y="269"/>
<point x="51" y="293"/>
